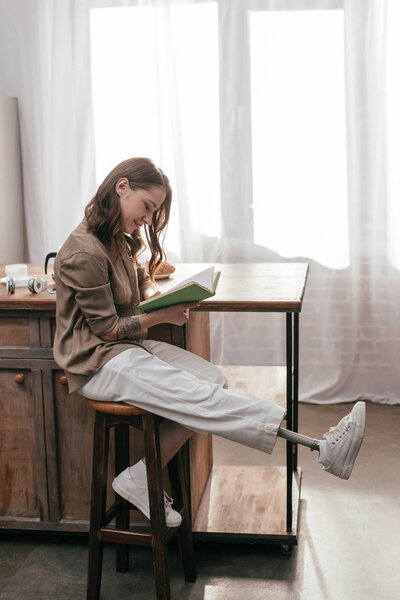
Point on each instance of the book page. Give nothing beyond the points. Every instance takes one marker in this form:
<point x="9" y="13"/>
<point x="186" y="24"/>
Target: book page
<point x="204" y="278"/>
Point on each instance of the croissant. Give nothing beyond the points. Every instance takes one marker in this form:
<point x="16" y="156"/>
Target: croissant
<point x="165" y="268"/>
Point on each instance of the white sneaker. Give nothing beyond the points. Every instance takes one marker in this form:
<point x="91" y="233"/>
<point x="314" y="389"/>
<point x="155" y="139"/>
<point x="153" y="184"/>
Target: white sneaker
<point x="338" y="452"/>
<point x="138" y="495"/>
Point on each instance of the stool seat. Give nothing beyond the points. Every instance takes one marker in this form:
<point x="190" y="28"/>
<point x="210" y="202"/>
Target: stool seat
<point x="116" y="408"/>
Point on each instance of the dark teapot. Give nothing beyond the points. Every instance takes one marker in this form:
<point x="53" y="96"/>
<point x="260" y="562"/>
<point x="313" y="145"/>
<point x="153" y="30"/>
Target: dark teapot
<point x="48" y="256"/>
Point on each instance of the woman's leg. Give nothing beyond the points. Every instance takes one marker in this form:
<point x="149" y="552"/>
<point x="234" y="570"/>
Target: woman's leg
<point x="186" y="361"/>
<point x="172" y="434"/>
<point x="137" y="377"/>
<point x="337" y="452"/>
<point x="172" y="437"/>
<point x="144" y="380"/>
<point x="182" y="359"/>
<point x="298" y="438"/>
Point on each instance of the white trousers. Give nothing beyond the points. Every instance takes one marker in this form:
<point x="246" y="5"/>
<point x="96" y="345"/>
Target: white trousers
<point x="187" y="389"/>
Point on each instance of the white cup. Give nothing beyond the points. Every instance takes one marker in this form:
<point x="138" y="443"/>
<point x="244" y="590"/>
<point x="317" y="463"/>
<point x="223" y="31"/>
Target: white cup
<point x="16" y="271"/>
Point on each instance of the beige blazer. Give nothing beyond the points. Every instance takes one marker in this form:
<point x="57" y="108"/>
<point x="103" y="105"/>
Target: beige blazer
<point x="93" y="291"/>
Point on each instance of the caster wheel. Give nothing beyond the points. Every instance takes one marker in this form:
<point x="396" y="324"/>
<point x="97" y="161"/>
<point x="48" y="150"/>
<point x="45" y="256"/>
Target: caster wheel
<point x="286" y="549"/>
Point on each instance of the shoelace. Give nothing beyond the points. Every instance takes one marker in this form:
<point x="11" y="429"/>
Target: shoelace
<point x="336" y="433"/>
<point x="168" y="501"/>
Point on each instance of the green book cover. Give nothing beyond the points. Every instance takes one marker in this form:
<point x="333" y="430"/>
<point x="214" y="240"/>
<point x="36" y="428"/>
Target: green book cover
<point x="199" y="287"/>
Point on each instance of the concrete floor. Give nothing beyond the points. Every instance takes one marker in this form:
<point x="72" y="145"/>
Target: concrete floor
<point x="349" y="541"/>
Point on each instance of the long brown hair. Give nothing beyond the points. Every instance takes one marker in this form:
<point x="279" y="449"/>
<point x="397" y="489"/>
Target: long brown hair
<point x="103" y="213"/>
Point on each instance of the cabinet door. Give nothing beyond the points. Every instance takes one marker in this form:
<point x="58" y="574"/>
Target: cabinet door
<point x="69" y="439"/>
<point x="19" y="335"/>
<point x="23" y="490"/>
<point x="17" y="331"/>
<point x="69" y="443"/>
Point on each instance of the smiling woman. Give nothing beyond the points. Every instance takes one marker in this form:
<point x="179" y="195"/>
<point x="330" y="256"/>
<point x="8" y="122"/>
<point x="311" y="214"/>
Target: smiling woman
<point x="100" y="280"/>
<point x="101" y="342"/>
<point x="137" y="205"/>
<point x="134" y="193"/>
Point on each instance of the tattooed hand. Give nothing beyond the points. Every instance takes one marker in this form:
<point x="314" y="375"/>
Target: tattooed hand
<point x="132" y="328"/>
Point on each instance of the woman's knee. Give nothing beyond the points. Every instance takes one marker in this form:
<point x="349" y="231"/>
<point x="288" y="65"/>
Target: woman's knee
<point x="220" y="377"/>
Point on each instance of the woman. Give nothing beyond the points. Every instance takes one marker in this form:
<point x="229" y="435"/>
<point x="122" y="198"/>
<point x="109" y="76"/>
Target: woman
<point x="101" y="340"/>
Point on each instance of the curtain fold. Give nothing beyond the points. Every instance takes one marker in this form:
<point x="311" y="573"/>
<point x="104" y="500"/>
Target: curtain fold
<point x="349" y="326"/>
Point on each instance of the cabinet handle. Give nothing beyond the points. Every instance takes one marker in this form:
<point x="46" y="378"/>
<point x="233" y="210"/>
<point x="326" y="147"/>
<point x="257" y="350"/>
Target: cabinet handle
<point x="19" y="378"/>
<point x="63" y="380"/>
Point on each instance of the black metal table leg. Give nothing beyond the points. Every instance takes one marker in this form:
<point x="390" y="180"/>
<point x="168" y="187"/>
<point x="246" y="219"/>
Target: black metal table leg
<point x="295" y="385"/>
<point x="289" y="419"/>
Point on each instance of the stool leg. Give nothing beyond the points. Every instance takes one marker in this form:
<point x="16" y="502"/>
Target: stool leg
<point x="181" y="500"/>
<point x="121" y="433"/>
<point x="98" y="506"/>
<point x="157" y="508"/>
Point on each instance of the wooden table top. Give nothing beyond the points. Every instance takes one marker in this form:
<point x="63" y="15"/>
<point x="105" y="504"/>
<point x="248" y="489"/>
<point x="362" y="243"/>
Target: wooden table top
<point x="252" y="287"/>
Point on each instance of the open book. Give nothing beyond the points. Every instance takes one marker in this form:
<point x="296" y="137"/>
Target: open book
<point x="198" y="287"/>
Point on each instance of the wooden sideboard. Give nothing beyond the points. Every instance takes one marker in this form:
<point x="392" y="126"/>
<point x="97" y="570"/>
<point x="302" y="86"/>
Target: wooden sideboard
<point x="46" y="433"/>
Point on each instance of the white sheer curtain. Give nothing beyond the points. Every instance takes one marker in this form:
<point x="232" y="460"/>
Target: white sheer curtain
<point x="349" y="324"/>
<point x="331" y="200"/>
<point x="45" y="62"/>
<point x="164" y="56"/>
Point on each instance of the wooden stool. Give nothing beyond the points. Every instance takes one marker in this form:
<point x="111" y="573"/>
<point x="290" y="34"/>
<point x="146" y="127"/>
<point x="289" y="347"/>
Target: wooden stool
<point x="121" y="416"/>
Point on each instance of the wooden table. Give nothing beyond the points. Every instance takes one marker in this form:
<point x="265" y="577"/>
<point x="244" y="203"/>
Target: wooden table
<point x="256" y="503"/>
<point x="49" y="432"/>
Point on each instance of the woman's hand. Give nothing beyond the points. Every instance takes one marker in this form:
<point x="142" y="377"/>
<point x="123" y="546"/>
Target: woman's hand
<point x="131" y="327"/>
<point x="177" y="314"/>
<point x="149" y="296"/>
<point x="149" y="290"/>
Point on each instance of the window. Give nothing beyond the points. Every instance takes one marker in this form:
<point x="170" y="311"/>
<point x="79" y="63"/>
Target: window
<point x="156" y="94"/>
<point x="280" y="183"/>
<point x="298" y="134"/>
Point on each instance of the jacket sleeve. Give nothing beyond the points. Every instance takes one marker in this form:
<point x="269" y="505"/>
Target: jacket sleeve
<point x="88" y="278"/>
